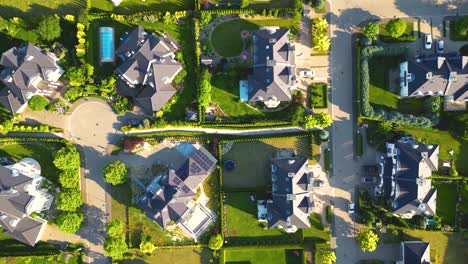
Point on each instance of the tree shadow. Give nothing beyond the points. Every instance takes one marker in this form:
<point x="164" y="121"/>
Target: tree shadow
<point x="431" y="7"/>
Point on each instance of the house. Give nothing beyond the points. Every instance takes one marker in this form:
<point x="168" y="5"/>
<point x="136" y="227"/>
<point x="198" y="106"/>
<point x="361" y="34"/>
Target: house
<point x="437" y="75"/>
<point x="148" y="68"/>
<point x="20" y="196"/>
<point x="290" y="205"/>
<point x="415" y="252"/>
<point x="169" y="198"/>
<point x="28" y="70"/>
<point x="273" y="76"/>
<point x="407" y="168"/>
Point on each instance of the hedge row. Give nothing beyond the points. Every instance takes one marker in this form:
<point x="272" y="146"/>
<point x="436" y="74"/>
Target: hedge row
<point x="249" y="11"/>
<point x="13" y="248"/>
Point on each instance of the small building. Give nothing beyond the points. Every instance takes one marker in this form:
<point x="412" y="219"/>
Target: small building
<point x="290" y="205"/>
<point x="148" y="68"/>
<point x="407" y="168"/>
<point x="169" y="198"/>
<point x="28" y="70"/>
<point x="274" y="67"/>
<point x="20" y="196"/>
<point x="415" y="252"/>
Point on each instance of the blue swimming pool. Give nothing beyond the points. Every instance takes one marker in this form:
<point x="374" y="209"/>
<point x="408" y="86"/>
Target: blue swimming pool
<point x="244" y="90"/>
<point x="106" y="44"/>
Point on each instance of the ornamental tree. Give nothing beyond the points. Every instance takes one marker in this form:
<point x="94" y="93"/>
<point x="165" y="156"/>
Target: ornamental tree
<point x="68" y="200"/>
<point x="69" y="222"/>
<point x="321" y="120"/>
<point x="69" y="178"/>
<point x="115" y="172"/>
<point x="216" y="242"/>
<point x="396" y="27"/>
<point x="368" y="240"/>
<point x="49" y="28"/>
<point x="371" y="30"/>
<point x="38" y="103"/>
<point x="67" y="158"/>
<point x="328" y="256"/>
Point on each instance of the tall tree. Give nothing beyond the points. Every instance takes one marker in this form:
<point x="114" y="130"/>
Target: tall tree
<point x="321" y="120"/>
<point x="49" y="28"/>
<point x="328" y="256"/>
<point x="204" y="90"/>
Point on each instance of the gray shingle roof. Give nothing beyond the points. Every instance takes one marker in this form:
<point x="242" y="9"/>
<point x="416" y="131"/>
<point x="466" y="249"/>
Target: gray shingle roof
<point x="416" y="252"/>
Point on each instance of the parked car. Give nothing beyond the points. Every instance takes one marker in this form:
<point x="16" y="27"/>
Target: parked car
<point x="428" y="41"/>
<point x="440" y="46"/>
<point x="317" y="183"/>
<point x="351" y="207"/>
<point x="368" y="179"/>
<point x="306" y="73"/>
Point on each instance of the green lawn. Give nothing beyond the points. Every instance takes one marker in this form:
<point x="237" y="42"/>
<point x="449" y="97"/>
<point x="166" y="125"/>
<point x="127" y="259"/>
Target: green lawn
<point x="316" y="150"/>
<point x="226" y="37"/>
<point x="454" y="34"/>
<point x="173" y="256"/>
<point x="446" y="201"/>
<point x="132" y="6"/>
<point x="41" y="260"/>
<point x="445" y="247"/>
<point x="40" y="151"/>
<point x="34" y="8"/>
<point x="463" y="205"/>
<point x="385" y="36"/>
<point x="316" y="231"/>
<point x="254" y="3"/>
<point x="262" y="256"/>
<point x="254" y="172"/>
<point x="318" y="95"/>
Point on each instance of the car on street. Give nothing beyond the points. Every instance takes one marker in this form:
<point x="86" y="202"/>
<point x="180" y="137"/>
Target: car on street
<point x="368" y="179"/>
<point x="317" y="183"/>
<point x="306" y="73"/>
<point x="350" y="207"/>
<point x="428" y="41"/>
<point x="440" y="46"/>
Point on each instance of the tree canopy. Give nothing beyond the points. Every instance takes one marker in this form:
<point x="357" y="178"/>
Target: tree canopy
<point x="69" y="178"/>
<point x="396" y="27"/>
<point x="216" y="242"/>
<point x="321" y="42"/>
<point x="204" y="91"/>
<point x="328" y="256"/>
<point x="371" y="30"/>
<point x="69" y="222"/>
<point x="67" y="158"/>
<point x="115" y="228"/>
<point x="146" y="246"/>
<point x="115" y="245"/>
<point x="115" y="172"/>
<point x="367" y="240"/>
<point x="76" y="76"/>
<point x="38" y="103"/>
<point x="321" y="120"/>
<point x="68" y="199"/>
<point x="49" y="28"/>
<point x="244" y="3"/>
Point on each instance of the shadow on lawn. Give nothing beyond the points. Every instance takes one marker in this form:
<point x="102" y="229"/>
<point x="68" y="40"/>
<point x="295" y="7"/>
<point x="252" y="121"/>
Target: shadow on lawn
<point x="38" y="10"/>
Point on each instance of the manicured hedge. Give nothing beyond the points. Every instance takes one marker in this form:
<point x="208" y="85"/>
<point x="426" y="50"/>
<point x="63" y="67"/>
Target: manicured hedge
<point x="329" y="213"/>
<point x="13" y="248"/>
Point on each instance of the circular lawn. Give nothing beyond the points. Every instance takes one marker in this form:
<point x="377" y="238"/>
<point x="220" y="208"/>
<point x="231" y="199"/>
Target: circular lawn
<point x="227" y="38"/>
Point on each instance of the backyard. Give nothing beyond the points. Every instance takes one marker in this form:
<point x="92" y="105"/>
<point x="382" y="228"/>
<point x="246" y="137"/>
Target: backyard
<point x="263" y="255"/>
<point x="253" y="173"/>
<point x="34" y="8"/>
<point x="446" y="201"/>
<point x="173" y="256"/>
<point x="132" y="6"/>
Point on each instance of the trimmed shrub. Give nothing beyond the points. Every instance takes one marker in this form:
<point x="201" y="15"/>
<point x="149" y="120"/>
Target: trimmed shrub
<point x="38" y="103"/>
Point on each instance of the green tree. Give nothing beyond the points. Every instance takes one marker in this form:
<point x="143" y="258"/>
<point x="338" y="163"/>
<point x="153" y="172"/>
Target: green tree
<point x="205" y="18"/>
<point x="76" y="76"/>
<point x="69" y="178"/>
<point x="321" y="120"/>
<point x="320" y="24"/>
<point x="167" y="18"/>
<point x="244" y="3"/>
<point x="115" y="172"/>
<point x="68" y="200"/>
<point x="396" y="27"/>
<point x="321" y="42"/>
<point x="328" y="256"/>
<point x="371" y="30"/>
<point x="114" y="245"/>
<point x="115" y="228"/>
<point x="204" y="91"/>
<point x="67" y="158"/>
<point x="69" y="222"/>
<point x="49" y="28"/>
<point x="38" y="103"/>
<point x="146" y="246"/>
<point x="368" y="240"/>
<point x="216" y="242"/>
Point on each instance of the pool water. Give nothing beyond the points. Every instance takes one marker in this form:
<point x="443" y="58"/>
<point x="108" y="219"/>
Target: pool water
<point x="106" y="35"/>
<point x="243" y="90"/>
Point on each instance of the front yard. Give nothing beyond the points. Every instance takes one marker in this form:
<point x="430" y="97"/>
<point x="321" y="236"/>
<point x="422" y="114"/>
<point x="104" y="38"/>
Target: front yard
<point x="262" y="255"/>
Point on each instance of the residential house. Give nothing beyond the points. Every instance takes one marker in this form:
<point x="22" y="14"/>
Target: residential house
<point x="27" y="70"/>
<point x="436" y="75"/>
<point x="148" y="68"/>
<point x="169" y="198"/>
<point x="273" y="76"/>
<point x="415" y="252"/>
<point x="407" y="168"/>
<point x="20" y="196"/>
<point x="290" y="205"/>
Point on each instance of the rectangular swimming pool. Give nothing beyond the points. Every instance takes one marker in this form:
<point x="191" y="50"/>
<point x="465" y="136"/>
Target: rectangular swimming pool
<point x="244" y="90"/>
<point x="106" y="44"/>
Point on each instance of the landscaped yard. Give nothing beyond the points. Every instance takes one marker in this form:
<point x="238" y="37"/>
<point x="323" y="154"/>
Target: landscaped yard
<point x="132" y="6"/>
<point x="253" y="172"/>
<point x="318" y="95"/>
<point x="40" y="151"/>
<point x="320" y="247"/>
<point x="253" y="3"/>
<point x="35" y="8"/>
<point x="385" y="36"/>
<point x="262" y="255"/>
<point x="445" y="247"/>
<point x="316" y="232"/>
<point x="446" y="201"/>
<point x="173" y="256"/>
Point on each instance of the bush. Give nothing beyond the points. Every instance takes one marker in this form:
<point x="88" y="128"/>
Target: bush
<point x="460" y="28"/>
<point x="69" y="178"/>
<point x="67" y="158"/>
<point x="68" y="200"/>
<point x="216" y="242"/>
<point x="114" y="245"/>
<point x="49" y="28"/>
<point x="371" y="30"/>
<point x="69" y="222"/>
<point x="38" y="103"/>
<point x="319" y="4"/>
<point x="115" y="172"/>
<point x="329" y="213"/>
<point x="396" y="27"/>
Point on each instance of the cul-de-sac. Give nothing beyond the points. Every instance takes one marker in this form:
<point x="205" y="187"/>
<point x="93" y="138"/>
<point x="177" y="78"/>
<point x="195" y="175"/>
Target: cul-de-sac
<point x="234" y="131"/>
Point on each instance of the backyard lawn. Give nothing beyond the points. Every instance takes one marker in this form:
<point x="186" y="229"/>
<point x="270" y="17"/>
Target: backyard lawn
<point x="446" y="201"/>
<point x="385" y="36"/>
<point x="253" y="173"/>
<point x="132" y="6"/>
<point x="34" y="8"/>
<point x="40" y="151"/>
<point x="262" y="256"/>
<point x="445" y="247"/>
<point x="173" y="256"/>
<point x="226" y="37"/>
